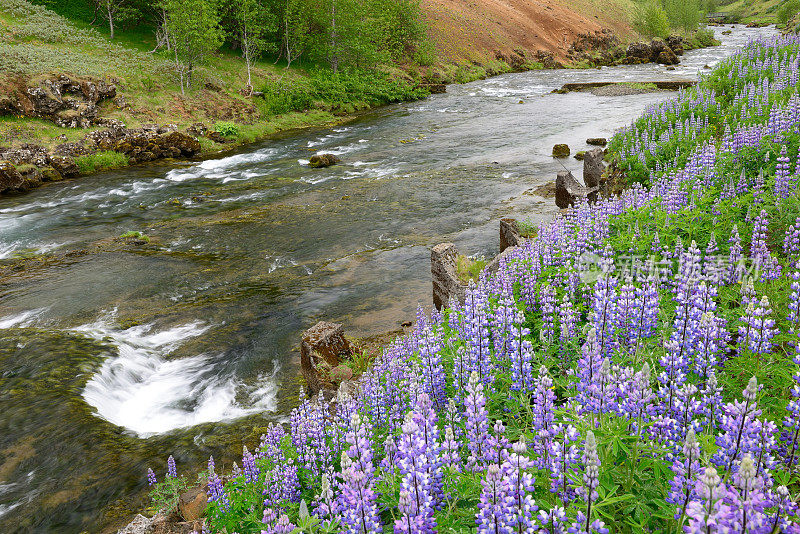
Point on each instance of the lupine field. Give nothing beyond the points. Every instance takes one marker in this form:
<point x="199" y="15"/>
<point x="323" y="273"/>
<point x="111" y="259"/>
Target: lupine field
<point x="634" y="368"/>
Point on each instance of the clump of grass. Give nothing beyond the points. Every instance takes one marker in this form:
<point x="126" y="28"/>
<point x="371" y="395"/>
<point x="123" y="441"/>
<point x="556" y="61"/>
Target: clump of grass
<point x="641" y="86"/>
<point x="102" y="161"/>
<point x="135" y="235"/>
<point x="527" y="228"/>
<point x="469" y="269"/>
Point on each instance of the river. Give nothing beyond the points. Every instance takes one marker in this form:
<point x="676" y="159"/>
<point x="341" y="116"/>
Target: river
<point x="115" y="355"/>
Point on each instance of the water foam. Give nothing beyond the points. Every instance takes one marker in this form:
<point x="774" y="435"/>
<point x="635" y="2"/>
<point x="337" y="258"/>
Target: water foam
<point x="146" y="393"/>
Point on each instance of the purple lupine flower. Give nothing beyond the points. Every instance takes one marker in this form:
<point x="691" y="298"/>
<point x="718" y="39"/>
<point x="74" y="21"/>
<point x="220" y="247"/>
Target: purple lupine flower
<point x="516" y="470"/>
<point x="276" y="524"/>
<point x="711" y="396"/>
<point x="794" y="302"/>
<point x="604" y="304"/>
<point x="759" y="328"/>
<point x="172" y="471"/>
<point x="791" y="244"/>
<point x="412" y="462"/>
<point x="493" y="508"/>
<point x="589" y="364"/>
<point x="710" y="344"/>
<point x="568" y="318"/>
<point x="451" y="455"/>
<point x="520" y="354"/>
<point x="216" y="491"/>
<point x="564" y="456"/>
<point x="543" y="407"/>
<point x="434" y="379"/>
<point x="409" y="523"/>
<point x="324" y="504"/>
<point x="553" y="521"/>
<point x="251" y="471"/>
<point x="782" y="175"/>
<point x="704" y="513"/>
<point x="686" y="468"/>
<point x="640" y="397"/>
<point x="588" y="491"/>
<point x="426" y="419"/>
<point x="736" y="266"/>
<point x="357" y="501"/>
<point x="549" y="312"/>
<point x="477" y="424"/>
<point x="791" y="434"/>
<point x="737" y="423"/>
<point x="498" y="444"/>
<point x="151" y="478"/>
<point x="765" y="263"/>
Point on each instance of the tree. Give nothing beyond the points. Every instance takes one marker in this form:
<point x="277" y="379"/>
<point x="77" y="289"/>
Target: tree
<point x="651" y="20"/>
<point x="194" y="33"/>
<point x="115" y="11"/>
<point x="253" y="23"/>
<point x="294" y="30"/>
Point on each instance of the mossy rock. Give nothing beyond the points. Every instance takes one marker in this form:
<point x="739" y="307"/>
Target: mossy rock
<point x="49" y="174"/>
<point x="561" y="151"/>
<point x="320" y="161"/>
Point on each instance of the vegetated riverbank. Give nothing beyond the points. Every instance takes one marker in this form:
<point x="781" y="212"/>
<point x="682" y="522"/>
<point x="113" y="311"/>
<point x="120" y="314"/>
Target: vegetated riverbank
<point x="75" y="103"/>
<point x="613" y="351"/>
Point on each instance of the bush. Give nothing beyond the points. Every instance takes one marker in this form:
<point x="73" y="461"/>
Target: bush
<point x="651" y="20"/>
<point x="788" y="10"/>
<point x="102" y="161"/>
<point x="228" y="129"/>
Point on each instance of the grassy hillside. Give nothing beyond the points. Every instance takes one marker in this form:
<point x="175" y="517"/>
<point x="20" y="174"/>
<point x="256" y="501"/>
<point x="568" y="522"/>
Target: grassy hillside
<point x="757" y="11"/>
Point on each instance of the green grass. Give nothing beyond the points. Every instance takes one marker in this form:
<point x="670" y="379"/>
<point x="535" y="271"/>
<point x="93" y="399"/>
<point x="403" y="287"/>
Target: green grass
<point x="102" y="161"/>
<point x="469" y="269"/>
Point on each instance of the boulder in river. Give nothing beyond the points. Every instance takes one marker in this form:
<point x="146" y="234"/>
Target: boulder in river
<point x="320" y="161"/>
<point x="569" y="192"/>
<point x="65" y="166"/>
<point x="597" y="141"/>
<point x="667" y="57"/>
<point x="446" y="285"/>
<point x="561" y="150"/>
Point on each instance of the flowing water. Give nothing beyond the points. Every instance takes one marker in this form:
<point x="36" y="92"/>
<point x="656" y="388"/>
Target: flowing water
<point x="114" y="355"/>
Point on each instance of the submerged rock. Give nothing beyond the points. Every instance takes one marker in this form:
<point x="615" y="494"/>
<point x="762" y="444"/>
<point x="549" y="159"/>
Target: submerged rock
<point x="320" y="161"/>
<point x="561" y="151"/>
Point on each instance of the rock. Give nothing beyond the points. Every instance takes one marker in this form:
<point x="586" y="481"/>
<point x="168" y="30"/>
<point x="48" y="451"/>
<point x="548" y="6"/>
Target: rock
<point x="639" y="50"/>
<point x="192" y="504"/>
<point x="434" y="88"/>
<point x="676" y="43"/>
<point x="494" y="265"/>
<point x="322" y="343"/>
<point x="49" y="174"/>
<point x="197" y="129"/>
<point x="320" y="161"/>
<point x="139" y="525"/>
<point x="341" y="373"/>
<point x="708" y="67"/>
<point x="509" y="234"/>
<point x="579" y="155"/>
<point x="10" y="178"/>
<point x="561" y="151"/>
<point x="667" y="57"/>
<point x="189" y="146"/>
<point x="569" y="192"/>
<point x="597" y="141"/>
<point x="670" y="67"/>
<point x="446" y="285"/>
<point x="593" y="167"/>
<point x="31" y="176"/>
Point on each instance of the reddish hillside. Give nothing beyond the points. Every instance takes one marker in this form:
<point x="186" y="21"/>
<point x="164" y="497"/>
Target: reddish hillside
<point x="474" y="29"/>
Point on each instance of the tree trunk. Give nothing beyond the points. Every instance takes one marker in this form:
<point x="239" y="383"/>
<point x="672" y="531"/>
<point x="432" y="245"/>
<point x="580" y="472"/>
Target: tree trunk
<point x="110" y="19"/>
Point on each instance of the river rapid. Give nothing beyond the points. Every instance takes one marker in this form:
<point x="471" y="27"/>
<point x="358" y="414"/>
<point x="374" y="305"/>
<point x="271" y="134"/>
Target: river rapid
<point x="114" y="355"/>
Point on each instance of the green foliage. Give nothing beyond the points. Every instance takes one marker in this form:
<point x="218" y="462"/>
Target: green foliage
<point x="469" y="269"/>
<point x="102" y="161"/>
<point x="164" y="495"/>
<point x="684" y="14"/>
<point x="135" y="235"/>
<point x="789" y="9"/>
<point x="194" y="31"/>
<point x="337" y="90"/>
<point x="228" y="129"/>
<point x="651" y="19"/>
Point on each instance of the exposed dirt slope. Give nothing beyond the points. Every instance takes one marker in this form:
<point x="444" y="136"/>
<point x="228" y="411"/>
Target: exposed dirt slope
<point x="474" y="29"/>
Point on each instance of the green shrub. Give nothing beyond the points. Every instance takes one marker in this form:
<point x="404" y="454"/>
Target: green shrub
<point x="228" y="129"/>
<point x="788" y="10"/>
<point x="651" y="20"/>
<point x="102" y="161"/>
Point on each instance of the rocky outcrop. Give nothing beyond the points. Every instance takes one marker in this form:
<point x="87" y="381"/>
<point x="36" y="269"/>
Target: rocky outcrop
<point x="569" y="192"/>
<point x="561" y="151"/>
<point x="65" y="166"/>
<point x="320" y="161"/>
<point x="147" y="143"/>
<point x="509" y="234"/>
<point x="10" y="177"/>
<point x="446" y="285"/>
<point x="593" y="167"/>
<point x="323" y="347"/>
<point x="656" y="51"/>
<point x="68" y="101"/>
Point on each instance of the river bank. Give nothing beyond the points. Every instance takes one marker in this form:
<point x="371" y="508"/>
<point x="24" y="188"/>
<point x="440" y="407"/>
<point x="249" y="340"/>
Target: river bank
<point x="184" y="346"/>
